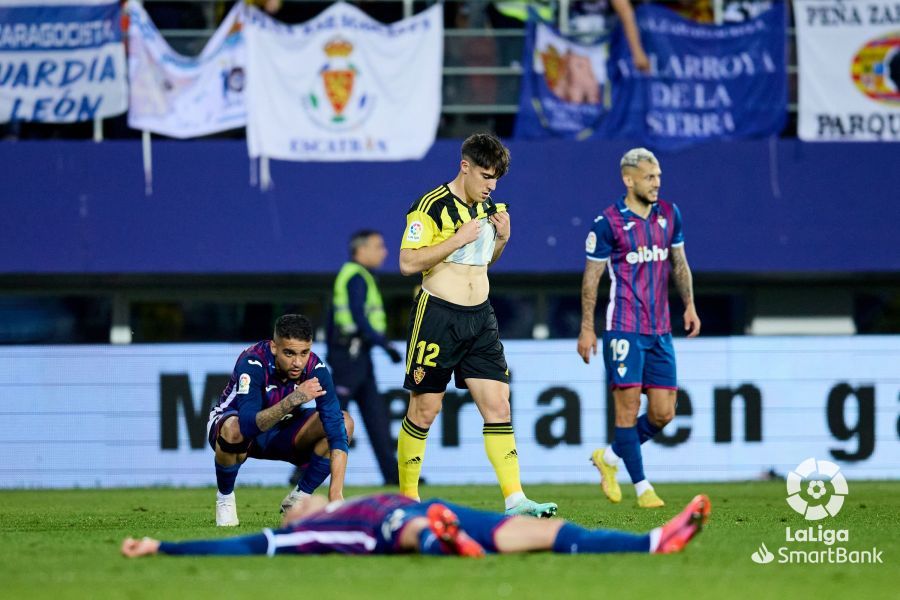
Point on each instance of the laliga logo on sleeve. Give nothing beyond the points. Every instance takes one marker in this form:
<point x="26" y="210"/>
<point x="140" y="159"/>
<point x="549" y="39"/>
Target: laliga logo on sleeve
<point x="808" y="489"/>
<point x="414" y="232"/>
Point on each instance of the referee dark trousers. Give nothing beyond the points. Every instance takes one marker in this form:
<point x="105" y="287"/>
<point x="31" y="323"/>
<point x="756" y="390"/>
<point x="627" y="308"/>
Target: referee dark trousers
<point x="354" y="379"/>
<point x="357" y="323"/>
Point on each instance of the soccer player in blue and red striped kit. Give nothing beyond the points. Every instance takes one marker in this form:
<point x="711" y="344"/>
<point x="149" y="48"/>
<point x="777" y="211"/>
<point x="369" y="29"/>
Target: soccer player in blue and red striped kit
<point x="640" y="238"/>
<point x="261" y="414"/>
<point x="397" y="524"/>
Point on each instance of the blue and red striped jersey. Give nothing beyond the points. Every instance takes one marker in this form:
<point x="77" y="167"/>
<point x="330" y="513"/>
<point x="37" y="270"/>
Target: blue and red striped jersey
<point x="256" y="385"/>
<point x="359" y="526"/>
<point x="638" y="253"/>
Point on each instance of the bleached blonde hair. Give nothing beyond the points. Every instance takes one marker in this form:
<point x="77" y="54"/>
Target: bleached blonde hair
<point x="636" y="155"/>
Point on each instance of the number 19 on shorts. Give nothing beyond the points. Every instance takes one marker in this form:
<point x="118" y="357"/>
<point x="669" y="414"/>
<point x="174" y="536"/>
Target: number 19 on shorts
<point x="619" y="349"/>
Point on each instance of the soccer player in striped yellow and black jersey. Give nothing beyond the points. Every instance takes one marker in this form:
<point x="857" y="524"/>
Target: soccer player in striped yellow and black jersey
<point x="452" y="234"/>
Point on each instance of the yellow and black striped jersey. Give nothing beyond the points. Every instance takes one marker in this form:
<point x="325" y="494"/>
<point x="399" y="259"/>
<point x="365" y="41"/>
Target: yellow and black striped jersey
<point x="437" y="215"/>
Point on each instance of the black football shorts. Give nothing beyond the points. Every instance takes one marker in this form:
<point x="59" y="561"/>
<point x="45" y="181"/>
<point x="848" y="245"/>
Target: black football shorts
<point x="446" y="338"/>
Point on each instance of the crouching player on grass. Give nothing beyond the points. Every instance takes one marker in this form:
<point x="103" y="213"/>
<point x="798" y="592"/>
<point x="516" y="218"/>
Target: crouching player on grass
<point x="261" y="414"/>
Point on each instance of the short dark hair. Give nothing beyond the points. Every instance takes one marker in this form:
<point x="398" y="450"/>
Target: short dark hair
<point x="359" y="238"/>
<point x="294" y="327"/>
<point x="487" y="152"/>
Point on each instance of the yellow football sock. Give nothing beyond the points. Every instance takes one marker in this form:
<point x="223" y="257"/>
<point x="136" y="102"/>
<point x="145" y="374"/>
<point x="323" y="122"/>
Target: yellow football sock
<point x="410" y="454"/>
<point x="500" y="446"/>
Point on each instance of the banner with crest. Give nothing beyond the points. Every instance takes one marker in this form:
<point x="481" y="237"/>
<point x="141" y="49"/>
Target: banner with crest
<point x="563" y="85"/>
<point x="848" y="56"/>
<point x="182" y="96"/>
<point x="342" y="86"/>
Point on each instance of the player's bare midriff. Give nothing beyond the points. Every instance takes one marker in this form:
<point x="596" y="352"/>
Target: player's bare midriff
<point x="465" y="285"/>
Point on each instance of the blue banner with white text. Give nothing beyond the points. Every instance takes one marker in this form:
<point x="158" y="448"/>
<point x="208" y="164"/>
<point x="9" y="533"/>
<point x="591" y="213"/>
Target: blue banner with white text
<point x="61" y="63"/>
<point x="563" y="85"/>
<point x="706" y="82"/>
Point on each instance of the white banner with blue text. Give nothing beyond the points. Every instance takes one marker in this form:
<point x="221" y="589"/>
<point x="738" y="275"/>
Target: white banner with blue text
<point x="343" y="87"/>
<point x="181" y="96"/>
<point x="61" y="61"/>
<point x="848" y="64"/>
<point x="112" y="416"/>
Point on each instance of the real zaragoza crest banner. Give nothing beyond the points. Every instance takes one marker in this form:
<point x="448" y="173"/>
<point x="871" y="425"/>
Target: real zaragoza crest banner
<point x="848" y="56"/>
<point x="562" y="85"/>
<point x="343" y="87"/>
<point x="183" y="96"/>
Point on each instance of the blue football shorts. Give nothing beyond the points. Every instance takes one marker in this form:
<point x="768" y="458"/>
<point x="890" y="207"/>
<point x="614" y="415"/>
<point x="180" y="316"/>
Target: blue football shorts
<point x="636" y="360"/>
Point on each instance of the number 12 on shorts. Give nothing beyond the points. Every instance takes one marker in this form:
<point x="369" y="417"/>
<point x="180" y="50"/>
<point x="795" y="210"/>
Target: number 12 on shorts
<point x="426" y="353"/>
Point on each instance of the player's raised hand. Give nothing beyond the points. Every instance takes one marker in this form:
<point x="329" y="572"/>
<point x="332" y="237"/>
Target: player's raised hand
<point x="307" y="391"/>
<point x="691" y="321"/>
<point x="501" y="223"/>
<point x="587" y="345"/>
<point x="468" y="231"/>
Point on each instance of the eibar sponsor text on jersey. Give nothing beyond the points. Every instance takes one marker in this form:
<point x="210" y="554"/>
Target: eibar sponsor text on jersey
<point x="644" y="254"/>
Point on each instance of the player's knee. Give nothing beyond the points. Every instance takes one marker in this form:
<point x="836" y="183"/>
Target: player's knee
<point x="348" y="424"/>
<point x="423" y="414"/>
<point x="661" y="417"/>
<point x="499" y="412"/>
<point x="230" y="431"/>
<point x="230" y="439"/>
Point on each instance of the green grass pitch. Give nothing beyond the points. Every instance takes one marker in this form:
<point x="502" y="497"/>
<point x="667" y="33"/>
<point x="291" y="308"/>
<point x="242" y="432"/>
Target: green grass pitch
<point x="64" y="544"/>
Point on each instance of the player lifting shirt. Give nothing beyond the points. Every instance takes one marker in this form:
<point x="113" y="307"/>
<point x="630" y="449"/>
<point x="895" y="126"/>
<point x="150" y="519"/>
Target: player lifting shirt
<point x="452" y="234"/>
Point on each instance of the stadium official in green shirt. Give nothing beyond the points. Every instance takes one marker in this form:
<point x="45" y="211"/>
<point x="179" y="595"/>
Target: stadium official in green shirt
<point x="358" y="324"/>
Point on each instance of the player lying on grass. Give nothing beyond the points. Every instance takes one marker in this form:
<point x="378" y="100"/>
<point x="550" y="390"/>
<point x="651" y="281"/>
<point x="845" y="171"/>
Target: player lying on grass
<point x="395" y="524"/>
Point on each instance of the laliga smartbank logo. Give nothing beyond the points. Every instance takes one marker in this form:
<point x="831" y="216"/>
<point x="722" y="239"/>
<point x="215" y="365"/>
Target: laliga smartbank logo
<point x="818" y="502"/>
<point x="816" y="489"/>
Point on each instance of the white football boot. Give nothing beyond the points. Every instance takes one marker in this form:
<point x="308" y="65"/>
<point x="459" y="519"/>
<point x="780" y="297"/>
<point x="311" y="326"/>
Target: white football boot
<point x="226" y="510"/>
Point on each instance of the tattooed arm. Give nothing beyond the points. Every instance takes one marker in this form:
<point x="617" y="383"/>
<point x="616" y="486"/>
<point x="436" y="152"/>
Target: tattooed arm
<point x="684" y="283"/>
<point x="306" y="391"/>
<point x="587" y="338"/>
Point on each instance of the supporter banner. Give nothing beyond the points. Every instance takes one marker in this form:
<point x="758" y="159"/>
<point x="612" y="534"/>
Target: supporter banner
<point x="181" y="96"/>
<point x="738" y="11"/>
<point x="563" y="85"/>
<point x="707" y="82"/>
<point x="61" y="61"/>
<point x="848" y="58"/>
<point x="344" y="87"/>
<point x="136" y="415"/>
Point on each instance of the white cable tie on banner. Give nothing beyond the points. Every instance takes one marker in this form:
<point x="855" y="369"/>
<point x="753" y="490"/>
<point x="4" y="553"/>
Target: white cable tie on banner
<point x="265" y="175"/>
<point x="98" y="129"/>
<point x="147" y="155"/>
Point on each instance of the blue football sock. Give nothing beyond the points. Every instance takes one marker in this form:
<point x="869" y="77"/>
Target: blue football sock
<point x="429" y="543"/>
<point x="573" y="539"/>
<point x="318" y="469"/>
<point x="257" y="543"/>
<point x="225" y="477"/>
<point x="646" y="429"/>
<point x="627" y="446"/>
